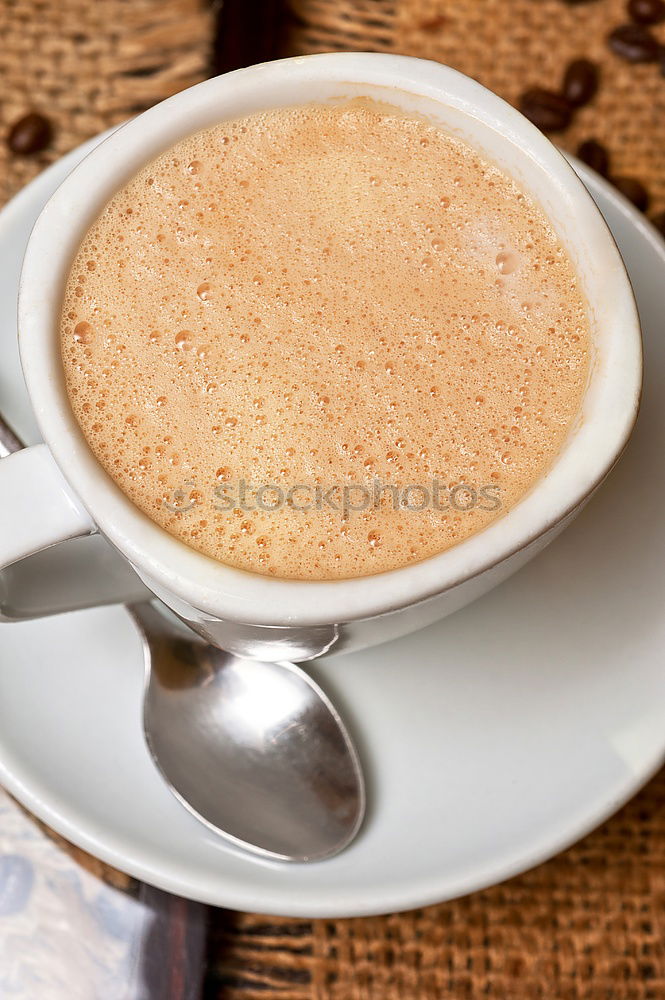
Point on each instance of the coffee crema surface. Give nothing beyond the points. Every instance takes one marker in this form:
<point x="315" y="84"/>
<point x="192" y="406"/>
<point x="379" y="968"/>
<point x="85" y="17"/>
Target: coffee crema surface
<point x="323" y="342"/>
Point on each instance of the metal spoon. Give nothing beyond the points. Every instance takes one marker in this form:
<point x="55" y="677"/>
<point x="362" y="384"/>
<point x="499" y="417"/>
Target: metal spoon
<point x="254" y="750"/>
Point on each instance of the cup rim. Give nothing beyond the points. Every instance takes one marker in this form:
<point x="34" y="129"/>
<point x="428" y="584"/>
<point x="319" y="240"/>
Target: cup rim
<point x="221" y="591"/>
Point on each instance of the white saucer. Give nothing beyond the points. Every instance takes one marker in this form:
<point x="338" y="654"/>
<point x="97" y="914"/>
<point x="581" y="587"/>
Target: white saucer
<point x="491" y="740"/>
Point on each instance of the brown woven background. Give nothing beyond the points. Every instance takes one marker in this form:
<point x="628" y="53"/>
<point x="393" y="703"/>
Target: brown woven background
<point x="589" y="925"/>
<point x="88" y="64"/>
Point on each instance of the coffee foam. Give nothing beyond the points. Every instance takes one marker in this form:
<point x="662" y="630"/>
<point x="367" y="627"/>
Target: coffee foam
<point x="321" y="296"/>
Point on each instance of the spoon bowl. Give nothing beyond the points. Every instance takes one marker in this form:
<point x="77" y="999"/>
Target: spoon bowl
<point x="254" y="750"/>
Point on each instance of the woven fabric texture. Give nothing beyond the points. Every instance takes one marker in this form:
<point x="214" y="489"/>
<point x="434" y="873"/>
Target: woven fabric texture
<point x="589" y="925"/>
<point x="89" y="64"/>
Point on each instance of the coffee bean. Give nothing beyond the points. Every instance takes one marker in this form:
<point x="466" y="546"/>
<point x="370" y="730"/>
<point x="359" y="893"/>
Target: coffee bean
<point x="433" y="23"/>
<point x="580" y="82"/>
<point x="634" y="42"/>
<point x="595" y="156"/>
<point x="633" y="190"/>
<point x="647" y="11"/>
<point x="29" y="134"/>
<point x="549" y="111"/>
<point x="659" y="222"/>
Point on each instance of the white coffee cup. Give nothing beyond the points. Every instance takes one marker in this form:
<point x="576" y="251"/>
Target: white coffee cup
<point x="54" y="492"/>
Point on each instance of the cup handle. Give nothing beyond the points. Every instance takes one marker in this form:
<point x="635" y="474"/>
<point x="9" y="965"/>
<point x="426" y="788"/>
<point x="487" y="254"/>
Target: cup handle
<point x="37" y="508"/>
<point x="40" y="577"/>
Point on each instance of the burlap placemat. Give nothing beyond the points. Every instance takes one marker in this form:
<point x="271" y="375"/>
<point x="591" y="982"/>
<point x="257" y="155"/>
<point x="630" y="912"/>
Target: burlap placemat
<point x="589" y="925"/>
<point x="89" y="64"/>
